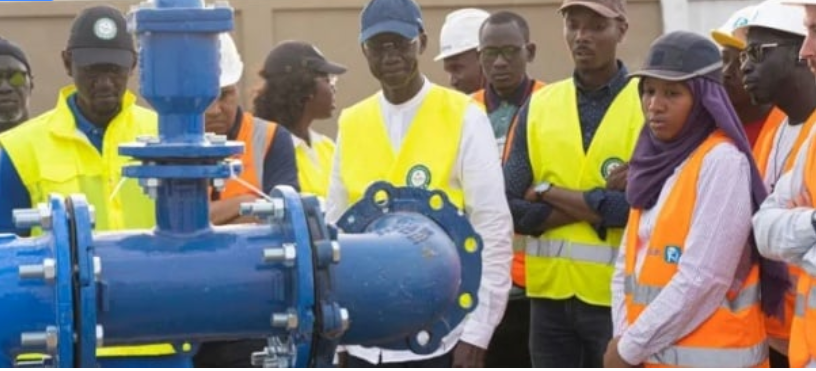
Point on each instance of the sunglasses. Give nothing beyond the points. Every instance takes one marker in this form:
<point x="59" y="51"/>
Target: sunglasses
<point x="15" y="78"/>
<point x="756" y="52"/>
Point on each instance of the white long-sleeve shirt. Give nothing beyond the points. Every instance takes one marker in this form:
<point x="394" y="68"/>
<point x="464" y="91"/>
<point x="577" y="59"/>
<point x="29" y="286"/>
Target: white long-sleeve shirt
<point x="716" y="244"/>
<point x="784" y="233"/>
<point x="477" y="171"/>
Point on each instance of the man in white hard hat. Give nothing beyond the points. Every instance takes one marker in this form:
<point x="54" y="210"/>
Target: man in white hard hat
<point x="458" y="42"/>
<point x="731" y="39"/>
<point x="773" y="74"/>
<point x="269" y="156"/>
<point x="785" y="225"/>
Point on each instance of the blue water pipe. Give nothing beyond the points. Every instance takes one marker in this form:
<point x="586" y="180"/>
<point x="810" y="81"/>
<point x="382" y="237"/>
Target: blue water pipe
<point x="400" y="269"/>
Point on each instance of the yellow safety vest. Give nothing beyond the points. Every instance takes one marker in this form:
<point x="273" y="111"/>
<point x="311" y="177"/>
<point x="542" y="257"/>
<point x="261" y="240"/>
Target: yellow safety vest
<point x="426" y="157"/>
<point x="572" y="260"/>
<point x="314" y="177"/>
<point x="52" y="156"/>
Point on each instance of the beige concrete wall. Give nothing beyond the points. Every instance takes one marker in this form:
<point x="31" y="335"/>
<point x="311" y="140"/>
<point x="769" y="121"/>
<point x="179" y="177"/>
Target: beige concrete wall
<point x="333" y="25"/>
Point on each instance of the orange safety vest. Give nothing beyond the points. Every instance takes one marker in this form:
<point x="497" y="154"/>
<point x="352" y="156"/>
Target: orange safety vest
<point x="257" y="136"/>
<point x="734" y="335"/>
<point x="802" y="348"/>
<point x="762" y="152"/>
<point x="517" y="271"/>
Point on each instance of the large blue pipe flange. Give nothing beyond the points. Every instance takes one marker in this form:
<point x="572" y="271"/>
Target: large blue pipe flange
<point x="405" y="204"/>
<point x="90" y="334"/>
<point x="43" y="290"/>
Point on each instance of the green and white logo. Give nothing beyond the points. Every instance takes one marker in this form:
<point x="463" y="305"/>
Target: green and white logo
<point x="609" y="165"/>
<point x="105" y="28"/>
<point x="419" y="176"/>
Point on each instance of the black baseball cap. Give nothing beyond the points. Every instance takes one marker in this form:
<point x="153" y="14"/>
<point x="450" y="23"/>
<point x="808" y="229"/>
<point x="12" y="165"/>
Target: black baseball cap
<point x="8" y="47"/>
<point x="99" y="35"/>
<point x="290" y="55"/>
<point x="682" y="55"/>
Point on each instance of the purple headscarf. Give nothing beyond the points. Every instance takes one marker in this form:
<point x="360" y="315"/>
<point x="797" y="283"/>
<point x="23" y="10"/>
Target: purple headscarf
<point x="654" y="161"/>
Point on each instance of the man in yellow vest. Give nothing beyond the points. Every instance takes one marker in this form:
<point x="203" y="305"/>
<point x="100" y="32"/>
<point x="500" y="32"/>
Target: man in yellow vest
<point x="269" y="155"/>
<point x="74" y="147"/>
<point x="785" y="225"/>
<point x="415" y="133"/>
<point x="505" y="50"/>
<point x="565" y="176"/>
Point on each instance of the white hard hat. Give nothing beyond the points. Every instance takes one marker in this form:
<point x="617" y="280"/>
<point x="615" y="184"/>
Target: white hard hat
<point x="731" y="33"/>
<point x="460" y="32"/>
<point x="777" y="16"/>
<point x="231" y="65"/>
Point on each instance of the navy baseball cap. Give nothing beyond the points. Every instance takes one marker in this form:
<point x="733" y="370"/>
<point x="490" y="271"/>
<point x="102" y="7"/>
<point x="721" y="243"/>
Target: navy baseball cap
<point x="99" y="35"/>
<point x="401" y="17"/>
<point x="682" y="55"/>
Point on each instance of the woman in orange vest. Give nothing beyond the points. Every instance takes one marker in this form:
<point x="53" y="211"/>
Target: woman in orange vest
<point x="687" y="283"/>
<point x="298" y="88"/>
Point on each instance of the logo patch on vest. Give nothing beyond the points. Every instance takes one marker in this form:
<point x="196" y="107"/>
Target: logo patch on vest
<point x="419" y="176"/>
<point x="610" y="164"/>
<point x="672" y="254"/>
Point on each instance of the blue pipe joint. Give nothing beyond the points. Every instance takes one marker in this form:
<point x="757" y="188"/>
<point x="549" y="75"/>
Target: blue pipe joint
<point x="179" y="77"/>
<point x="36" y="283"/>
<point x="437" y="277"/>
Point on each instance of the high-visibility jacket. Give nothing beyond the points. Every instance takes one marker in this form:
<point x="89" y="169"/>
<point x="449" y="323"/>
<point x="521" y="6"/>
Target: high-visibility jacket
<point x="517" y="270"/>
<point x="52" y="156"/>
<point x="573" y="260"/>
<point x="762" y="153"/>
<point x="802" y="349"/>
<point x="437" y="125"/>
<point x="314" y="171"/>
<point x="257" y="135"/>
<point x="734" y="335"/>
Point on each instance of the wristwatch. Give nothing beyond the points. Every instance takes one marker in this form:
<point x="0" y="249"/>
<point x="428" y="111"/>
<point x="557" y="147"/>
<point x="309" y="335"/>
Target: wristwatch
<point x="540" y="189"/>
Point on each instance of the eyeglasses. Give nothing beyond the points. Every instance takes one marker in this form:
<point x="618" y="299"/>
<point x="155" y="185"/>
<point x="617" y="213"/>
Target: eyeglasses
<point x="509" y="53"/>
<point x="756" y="52"/>
<point x="15" y="78"/>
<point x="401" y="46"/>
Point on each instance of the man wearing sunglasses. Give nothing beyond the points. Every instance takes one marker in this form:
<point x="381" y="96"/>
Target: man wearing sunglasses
<point x="15" y="85"/>
<point x="774" y="74"/>
<point x="731" y="39"/>
<point x="418" y="134"/>
<point x="505" y="51"/>
<point x="565" y="175"/>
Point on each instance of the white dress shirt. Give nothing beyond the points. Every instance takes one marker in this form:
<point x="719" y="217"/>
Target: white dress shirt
<point x="715" y="246"/>
<point x="477" y="171"/>
<point x="784" y="233"/>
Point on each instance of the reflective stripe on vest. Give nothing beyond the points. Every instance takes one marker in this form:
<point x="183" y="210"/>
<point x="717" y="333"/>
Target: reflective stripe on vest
<point x="801" y="301"/>
<point x="554" y="126"/>
<point x="259" y="146"/>
<point x="426" y="157"/>
<point x="717" y="358"/>
<point x="644" y="295"/>
<point x="598" y="254"/>
<point x="257" y="135"/>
